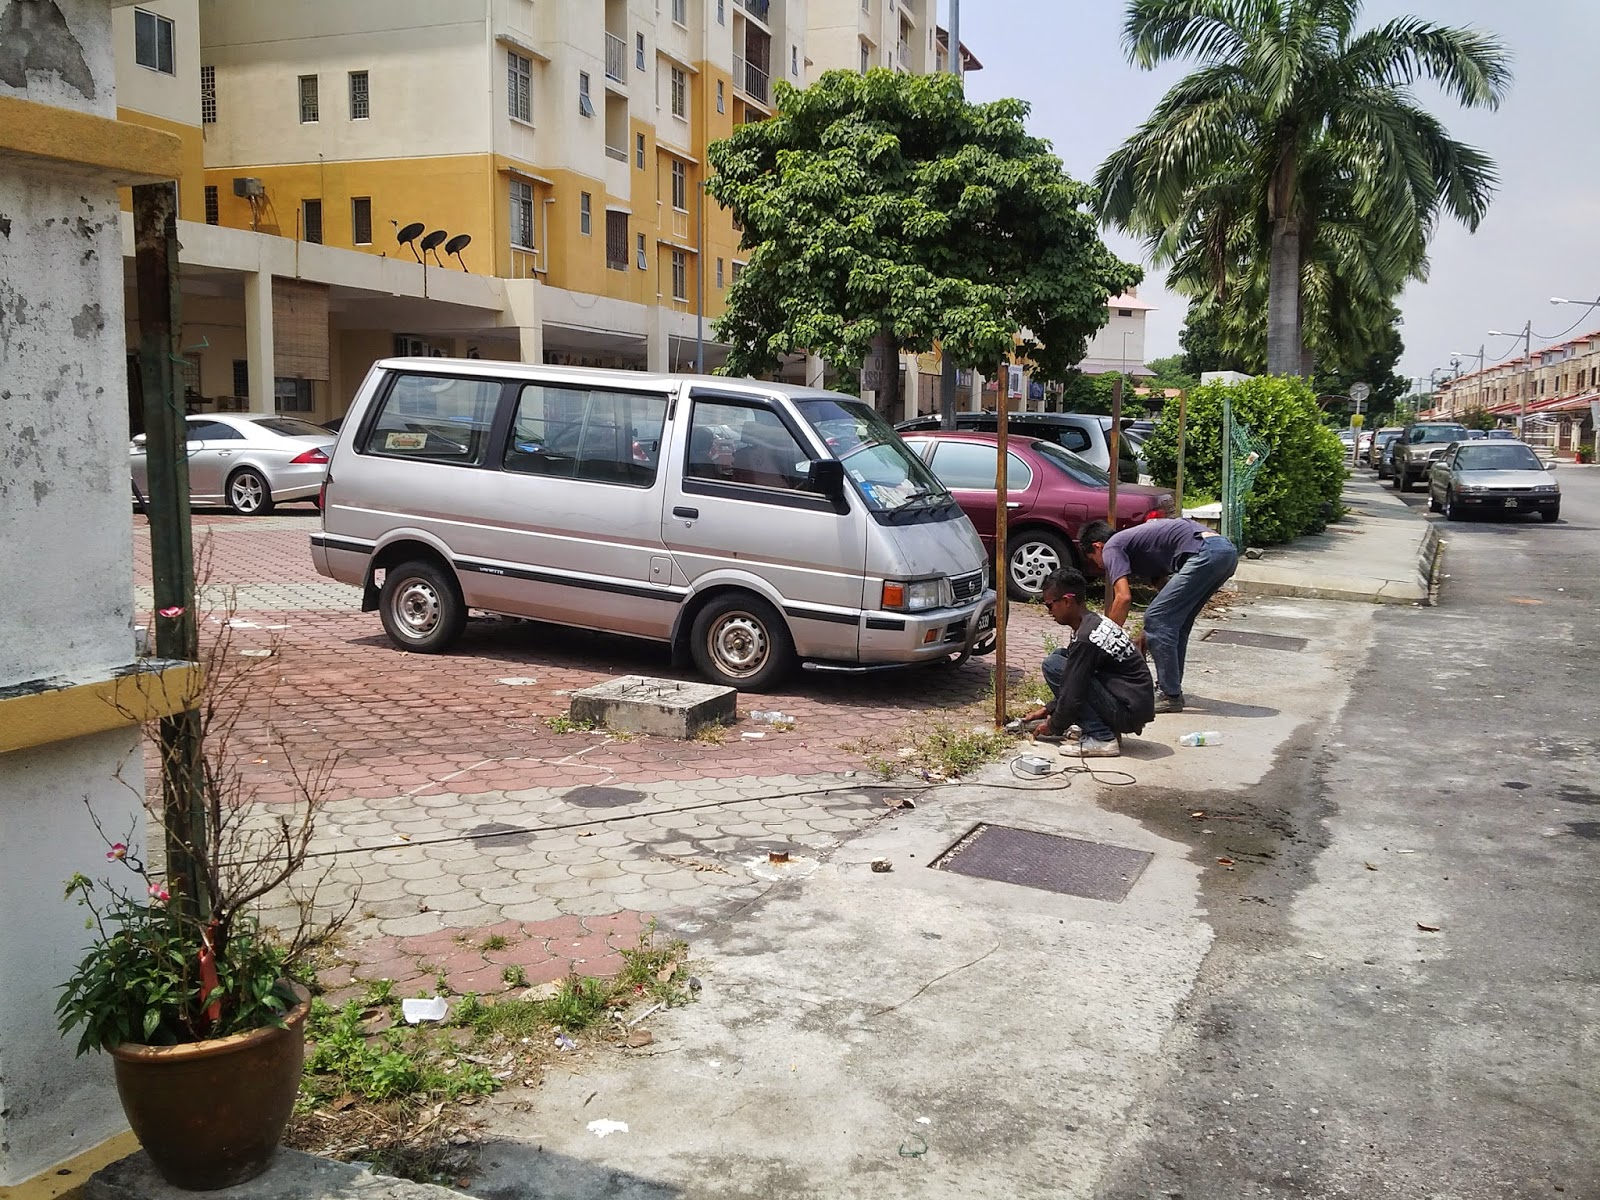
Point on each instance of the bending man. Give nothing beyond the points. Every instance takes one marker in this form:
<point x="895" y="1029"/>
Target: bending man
<point x="1187" y="561"/>
<point x="1098" y="681"/>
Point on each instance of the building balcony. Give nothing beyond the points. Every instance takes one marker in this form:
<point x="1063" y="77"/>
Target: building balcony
<point x="616" y="58"/>
<point x="619" y="153"/>
<point x="751" y="79"/>
<point x="761" y="10"/>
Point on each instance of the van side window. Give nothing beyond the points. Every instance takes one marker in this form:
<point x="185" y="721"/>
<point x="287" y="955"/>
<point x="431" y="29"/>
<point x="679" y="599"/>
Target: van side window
<point x="1072" y="438"/>
<point x="584" y="433"/>
<point x="742" y="443"/>
<point x="435" y="419"/>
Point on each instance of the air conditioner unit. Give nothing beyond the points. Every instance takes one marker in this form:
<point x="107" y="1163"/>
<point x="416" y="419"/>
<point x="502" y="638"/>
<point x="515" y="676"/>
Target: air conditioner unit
<point x="248" y="186"/>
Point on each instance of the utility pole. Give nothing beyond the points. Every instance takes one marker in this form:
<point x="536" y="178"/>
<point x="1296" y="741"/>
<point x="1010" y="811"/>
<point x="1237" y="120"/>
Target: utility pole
<point x="183" y="811"/>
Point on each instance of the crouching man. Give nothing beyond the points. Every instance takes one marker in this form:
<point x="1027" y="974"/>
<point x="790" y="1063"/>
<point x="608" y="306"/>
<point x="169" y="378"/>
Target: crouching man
<point x="1098" y="681"/>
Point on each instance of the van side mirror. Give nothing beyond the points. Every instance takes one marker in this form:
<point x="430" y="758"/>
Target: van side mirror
<point x="825" y="477"/>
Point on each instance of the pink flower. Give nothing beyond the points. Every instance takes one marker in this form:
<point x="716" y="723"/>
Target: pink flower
<point x="159" y="892"/>
<point x="171" y="613"/>
<point x="118" y="851"/>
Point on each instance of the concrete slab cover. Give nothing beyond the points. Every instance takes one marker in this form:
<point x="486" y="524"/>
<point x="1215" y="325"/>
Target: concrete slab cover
<point x="1262" y="641"/>
<point x="663" y="707"/>
<point x="1094" y="870"/>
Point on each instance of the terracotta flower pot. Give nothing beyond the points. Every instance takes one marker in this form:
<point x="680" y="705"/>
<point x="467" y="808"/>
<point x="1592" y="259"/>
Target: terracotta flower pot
<point x="210" y="1114"/>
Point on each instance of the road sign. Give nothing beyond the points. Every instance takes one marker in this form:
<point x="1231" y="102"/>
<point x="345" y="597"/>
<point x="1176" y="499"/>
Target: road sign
<point x="1359" y="392"/>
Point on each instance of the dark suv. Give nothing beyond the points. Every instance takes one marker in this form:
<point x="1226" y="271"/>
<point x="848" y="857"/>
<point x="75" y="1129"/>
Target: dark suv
<point x="1419" y="447"/>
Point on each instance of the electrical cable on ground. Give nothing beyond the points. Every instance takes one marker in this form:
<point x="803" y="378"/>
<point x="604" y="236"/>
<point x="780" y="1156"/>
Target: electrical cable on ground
<point x="1104" y="778"/>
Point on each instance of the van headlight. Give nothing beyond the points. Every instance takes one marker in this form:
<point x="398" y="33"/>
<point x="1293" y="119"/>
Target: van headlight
<point x="916" y="595"/>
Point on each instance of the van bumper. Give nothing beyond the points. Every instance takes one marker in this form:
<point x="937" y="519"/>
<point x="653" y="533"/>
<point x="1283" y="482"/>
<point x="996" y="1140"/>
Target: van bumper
<point x="894" y="637"/>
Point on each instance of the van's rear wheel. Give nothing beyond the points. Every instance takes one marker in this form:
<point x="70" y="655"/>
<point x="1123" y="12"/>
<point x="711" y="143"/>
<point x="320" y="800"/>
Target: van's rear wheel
<point x="421" y="607"/>
<point x="742" y="642"/>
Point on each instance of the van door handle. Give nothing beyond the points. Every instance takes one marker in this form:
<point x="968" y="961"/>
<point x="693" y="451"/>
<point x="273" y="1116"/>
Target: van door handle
<point x="686" y="512"/>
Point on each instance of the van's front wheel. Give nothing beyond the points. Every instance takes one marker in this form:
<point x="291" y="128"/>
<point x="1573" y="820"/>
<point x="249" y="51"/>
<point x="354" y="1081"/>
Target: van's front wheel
<point x="742" y="642"/>
<point x="420" y="607"/>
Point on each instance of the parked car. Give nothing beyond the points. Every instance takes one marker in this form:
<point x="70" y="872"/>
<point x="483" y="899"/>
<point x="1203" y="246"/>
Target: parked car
<point x="1503" y="435"/>
<point x="750" y="526"/>
<point x="1086" y="435"/>
<point x="247" y="462"/>
<point x="1053" y="492"/>
<point x="1497" y="477"/>
<point x="1418" y="447"/>
<point x="1379" y="448"/>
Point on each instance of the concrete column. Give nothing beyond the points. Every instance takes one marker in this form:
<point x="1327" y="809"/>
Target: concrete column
<point x="975" y="398"/>
<point x="816" y="370"/>
<point x="259" y="347"/>
<point x="531" y="338"/>
<point x="656" y="358"/>
<point x="910" y="399"/>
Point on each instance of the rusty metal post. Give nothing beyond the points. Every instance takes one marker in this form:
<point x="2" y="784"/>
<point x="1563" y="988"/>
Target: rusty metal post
<point x="1116" y="464"/>
<point x="1183" y="433"/>
<point x="1002" y="555"/>
<point x="155" y="240"/>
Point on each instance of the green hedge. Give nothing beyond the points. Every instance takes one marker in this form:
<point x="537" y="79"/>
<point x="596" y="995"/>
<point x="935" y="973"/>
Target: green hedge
<point x="1298" y="488"/>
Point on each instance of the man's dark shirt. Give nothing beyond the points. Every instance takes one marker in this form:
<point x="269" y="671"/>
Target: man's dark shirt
<point x="1101" y="651"/>
<point x="1153" y="550"/>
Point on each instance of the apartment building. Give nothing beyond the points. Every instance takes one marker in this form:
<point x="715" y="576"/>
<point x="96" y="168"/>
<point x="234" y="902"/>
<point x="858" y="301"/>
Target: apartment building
<point x="1560" y="386"/>
<point x="861" y="34"/>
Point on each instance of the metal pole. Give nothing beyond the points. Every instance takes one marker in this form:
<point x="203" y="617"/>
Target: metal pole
<point x="955" y="38"/>
<point x="1115" y="450"/>
<point x="947" y="366"/>
<point x="155" y="224"/>
<point x="1183" y="432"/>
<point x="1227" y="470"/>
<point x="1002" y="494"/>
<point x="700" y="284"/>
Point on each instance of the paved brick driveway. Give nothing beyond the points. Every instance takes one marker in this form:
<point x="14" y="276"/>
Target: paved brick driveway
<point x="454" y="808"/>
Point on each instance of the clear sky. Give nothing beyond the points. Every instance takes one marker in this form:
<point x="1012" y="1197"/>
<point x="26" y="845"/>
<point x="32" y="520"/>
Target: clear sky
<point x="1542" y="234"/>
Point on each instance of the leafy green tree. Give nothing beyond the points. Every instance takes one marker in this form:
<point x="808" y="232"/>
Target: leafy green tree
<point x="1298" y="141"/>
<point x="1201" y="340"/>
<point x="1171" y="372"/>
<point x="1376" y="370"/>
<point x="1478" y="418"/>
<point x="885" y="211"/>
<point x="1297" y="490"/>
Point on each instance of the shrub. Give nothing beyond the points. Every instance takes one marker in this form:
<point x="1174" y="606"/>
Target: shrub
<point x="1298" y="487"/>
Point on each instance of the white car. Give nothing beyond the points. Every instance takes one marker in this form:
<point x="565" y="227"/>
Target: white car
<point x="248" y="462"/>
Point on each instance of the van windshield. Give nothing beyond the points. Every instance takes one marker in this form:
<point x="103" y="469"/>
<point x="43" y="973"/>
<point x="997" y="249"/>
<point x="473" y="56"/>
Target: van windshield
<point x="884" y="470"/>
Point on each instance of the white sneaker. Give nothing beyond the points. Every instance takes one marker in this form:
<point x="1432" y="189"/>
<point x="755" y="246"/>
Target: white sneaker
<point x="1091" y="748"/>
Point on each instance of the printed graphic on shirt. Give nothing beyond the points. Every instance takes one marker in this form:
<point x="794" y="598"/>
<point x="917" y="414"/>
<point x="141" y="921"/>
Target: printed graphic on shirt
<point x="1109" y="637"/>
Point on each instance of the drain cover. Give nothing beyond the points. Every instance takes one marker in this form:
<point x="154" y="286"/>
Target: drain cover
<point x="601" y="797"/>
<point x="494" y="835"/>
<point x="1046" y="861"/>
<point x="1265" y="641"/>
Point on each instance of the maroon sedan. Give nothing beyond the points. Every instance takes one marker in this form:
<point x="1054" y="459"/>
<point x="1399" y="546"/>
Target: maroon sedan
<point x="1053" y="492"/>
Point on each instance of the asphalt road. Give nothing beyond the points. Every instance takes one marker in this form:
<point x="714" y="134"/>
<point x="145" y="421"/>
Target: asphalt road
<point x="1334" y="1046"/>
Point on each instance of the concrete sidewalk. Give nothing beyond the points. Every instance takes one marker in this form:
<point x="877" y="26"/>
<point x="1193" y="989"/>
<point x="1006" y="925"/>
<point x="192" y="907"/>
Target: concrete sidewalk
<point x="1381" y="552"/>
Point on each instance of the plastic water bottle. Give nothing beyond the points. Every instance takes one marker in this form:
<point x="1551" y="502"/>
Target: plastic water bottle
<point x="768" y="716"/>
<point x="1208" y="738"/>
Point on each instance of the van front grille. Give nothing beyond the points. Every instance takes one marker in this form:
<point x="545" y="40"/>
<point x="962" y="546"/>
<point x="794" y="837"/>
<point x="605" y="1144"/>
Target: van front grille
<point x="967" y="587"/>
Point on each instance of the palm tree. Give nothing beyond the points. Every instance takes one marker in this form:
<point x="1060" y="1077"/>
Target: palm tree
<point x="1291" y="105"/>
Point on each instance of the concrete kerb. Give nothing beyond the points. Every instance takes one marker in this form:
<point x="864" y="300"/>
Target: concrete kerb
<point x="1381" y="552"/>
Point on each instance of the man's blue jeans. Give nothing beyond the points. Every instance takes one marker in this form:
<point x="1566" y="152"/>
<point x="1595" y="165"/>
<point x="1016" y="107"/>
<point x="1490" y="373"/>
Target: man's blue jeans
<point x="1094" y="716"/>
<point x="1170" y="618"/>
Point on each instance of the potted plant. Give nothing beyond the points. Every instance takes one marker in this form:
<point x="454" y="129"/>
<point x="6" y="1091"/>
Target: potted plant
<point x="182" y="984"/>
<point x="1585" y="454"/>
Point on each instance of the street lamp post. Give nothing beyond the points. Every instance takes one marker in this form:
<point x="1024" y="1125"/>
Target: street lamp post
<point x="1527" y="373"/>
<point x="1458" y="354"/>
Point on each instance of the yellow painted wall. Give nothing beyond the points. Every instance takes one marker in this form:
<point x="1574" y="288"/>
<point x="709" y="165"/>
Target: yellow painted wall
<point x="191" y="184"/>
<point x="450" y="193"/>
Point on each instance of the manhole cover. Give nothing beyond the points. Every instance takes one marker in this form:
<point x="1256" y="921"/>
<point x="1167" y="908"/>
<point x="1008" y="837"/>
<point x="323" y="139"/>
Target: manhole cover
<point x="1264" y="641"/>
<point x="494" y="835"/>
<point x="1046" y="861"/>
<point x="601" y="797"/>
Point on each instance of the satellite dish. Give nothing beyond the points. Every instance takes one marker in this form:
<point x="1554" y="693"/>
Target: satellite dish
<point x="456" y="245"/>
<point x="410" y="234"/>
<point x="433" y="242"/>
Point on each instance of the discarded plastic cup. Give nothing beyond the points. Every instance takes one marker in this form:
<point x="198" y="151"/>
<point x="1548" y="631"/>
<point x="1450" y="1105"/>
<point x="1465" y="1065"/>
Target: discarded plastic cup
<point x="433" y="1008"/>
<point x="1209" y="737"/>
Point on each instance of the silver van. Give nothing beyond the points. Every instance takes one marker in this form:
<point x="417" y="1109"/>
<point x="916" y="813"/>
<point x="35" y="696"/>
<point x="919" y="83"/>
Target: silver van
<point x="749" y="525"/>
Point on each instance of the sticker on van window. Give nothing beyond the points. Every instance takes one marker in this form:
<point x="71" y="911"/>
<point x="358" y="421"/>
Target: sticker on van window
<point x="405" y="441"/>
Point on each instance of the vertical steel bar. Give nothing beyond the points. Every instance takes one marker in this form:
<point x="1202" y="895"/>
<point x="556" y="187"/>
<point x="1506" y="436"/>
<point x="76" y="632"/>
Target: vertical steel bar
<point x="1002" y="555"/>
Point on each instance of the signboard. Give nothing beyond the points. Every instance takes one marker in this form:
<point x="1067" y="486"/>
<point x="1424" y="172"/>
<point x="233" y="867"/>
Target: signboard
<point x="1357" y="421"/>
<point x="1014" y="381"/>
<point x="1359" y="392"/>
<point x="872" y="373"/>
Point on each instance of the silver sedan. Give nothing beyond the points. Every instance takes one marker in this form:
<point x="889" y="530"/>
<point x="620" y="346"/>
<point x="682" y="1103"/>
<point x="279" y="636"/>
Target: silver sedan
<point x="247" y="462"/>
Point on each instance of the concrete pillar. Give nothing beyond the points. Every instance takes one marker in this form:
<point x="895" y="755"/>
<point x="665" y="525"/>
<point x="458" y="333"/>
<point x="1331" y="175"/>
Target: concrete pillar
<point x="975" y="397"/>
<point x="657" y="358"/>
<point x="531" y="338"/>
<point x="816" y="371"/>
<point x="913" y="387"/>
<point x="259" y="347"/>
